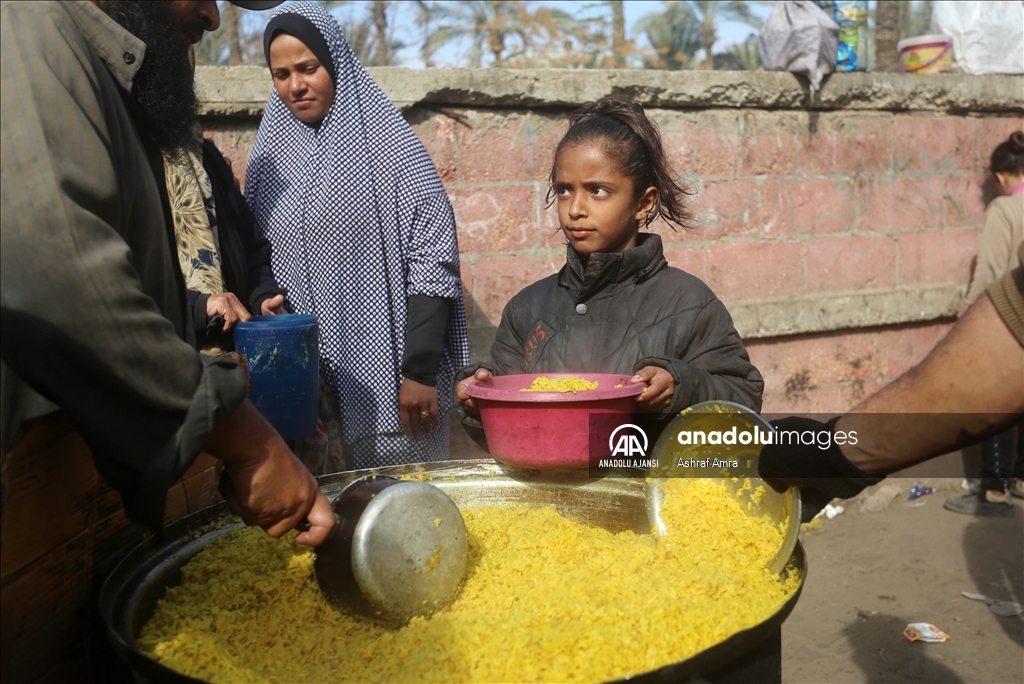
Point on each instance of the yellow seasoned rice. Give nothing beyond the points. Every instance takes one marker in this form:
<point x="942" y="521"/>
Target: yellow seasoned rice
<point x="572" y="384"/>
<point x="545" y="599"/>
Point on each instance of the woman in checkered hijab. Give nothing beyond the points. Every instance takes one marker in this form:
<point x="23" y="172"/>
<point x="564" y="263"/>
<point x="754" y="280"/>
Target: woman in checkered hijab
<point x="363" y="237"/>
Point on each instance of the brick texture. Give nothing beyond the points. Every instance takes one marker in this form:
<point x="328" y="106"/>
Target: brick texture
<point x="937" y="257"/>
<point x="850" y="263"/>
<point x="497" y="279"/>
<point x="748" y="270"/>
<point x="718" y="143"/>
<point x="495" y="219"/>
<point x="934" y="143"/>
<point x="769" y="143"/>
<point x="845" y="143"/>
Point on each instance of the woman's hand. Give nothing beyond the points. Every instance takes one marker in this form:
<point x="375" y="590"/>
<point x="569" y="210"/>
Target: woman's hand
<point x="468" y="403"/>
<point x="417" y="409"/>
<point x="660" y="388"/>
<point x="273" y="306"/>
<point x="226" y="305"/>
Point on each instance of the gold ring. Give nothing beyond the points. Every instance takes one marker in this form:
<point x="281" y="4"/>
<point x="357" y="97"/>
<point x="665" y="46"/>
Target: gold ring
<point x="424" y="414"/>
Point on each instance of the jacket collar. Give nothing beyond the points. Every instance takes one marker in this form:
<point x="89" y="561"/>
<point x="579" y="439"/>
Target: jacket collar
<point x="122" y="52"/>
<point x="604" y="270"/>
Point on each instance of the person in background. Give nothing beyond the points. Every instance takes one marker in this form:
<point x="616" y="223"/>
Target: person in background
<point x="364" y="238"/>
<point x="617" y="306"/>
<point x="95" y="316"/>
<point x="1002" y="461"/>
<point x="224" y="258"/>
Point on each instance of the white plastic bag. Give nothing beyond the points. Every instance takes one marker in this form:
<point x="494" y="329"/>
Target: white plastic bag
<point x="800" y="38"/>
<point x="988" y="35"/>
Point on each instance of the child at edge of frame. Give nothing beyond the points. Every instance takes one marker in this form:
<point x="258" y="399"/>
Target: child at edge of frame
<point x="616" y="306"/>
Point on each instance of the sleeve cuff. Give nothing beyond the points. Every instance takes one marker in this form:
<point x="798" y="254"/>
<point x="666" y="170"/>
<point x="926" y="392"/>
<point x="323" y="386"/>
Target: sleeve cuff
<point x="221" y="390"/>
<point x="199" y="317"/>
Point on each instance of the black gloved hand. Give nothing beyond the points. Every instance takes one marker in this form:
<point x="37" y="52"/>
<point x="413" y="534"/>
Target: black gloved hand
<point x="822" y="474"/>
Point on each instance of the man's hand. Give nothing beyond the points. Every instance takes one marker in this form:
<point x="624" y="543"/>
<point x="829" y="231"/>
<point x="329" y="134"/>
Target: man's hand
<point x="417" y="409"/>
<point x="263" y="482"/>
<point x="227" y="306"/>
<point x="468" y="403"/>
<point x="660" y="388"/>
<point x="273" y="306"/>
<point x="813" y="463"/>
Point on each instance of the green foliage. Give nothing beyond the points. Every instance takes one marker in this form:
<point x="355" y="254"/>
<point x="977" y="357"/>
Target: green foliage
<point x="739" y="56"/>
<point x="508" y="33"/>
<point x="686" y="26"/>
<point x="674" y="36"/>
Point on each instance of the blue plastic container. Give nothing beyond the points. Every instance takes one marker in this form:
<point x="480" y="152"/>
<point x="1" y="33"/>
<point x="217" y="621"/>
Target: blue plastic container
<point x="284" y="369"/>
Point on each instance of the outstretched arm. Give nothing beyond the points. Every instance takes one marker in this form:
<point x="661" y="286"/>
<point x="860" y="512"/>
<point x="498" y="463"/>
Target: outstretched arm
<point x="976" y="373"/>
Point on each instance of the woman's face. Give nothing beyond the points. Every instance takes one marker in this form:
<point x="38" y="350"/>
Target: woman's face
<point x="303" y="84"/>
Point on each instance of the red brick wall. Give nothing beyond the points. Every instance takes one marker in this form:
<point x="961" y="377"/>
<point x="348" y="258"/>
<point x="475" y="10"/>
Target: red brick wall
<point x="789" y="203"/>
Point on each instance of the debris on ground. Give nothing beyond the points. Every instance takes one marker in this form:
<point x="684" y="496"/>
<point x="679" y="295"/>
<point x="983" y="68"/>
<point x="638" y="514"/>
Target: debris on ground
<point x="922" y="631"/>
<point x="1000" y="608"/>
<point x="881" y="499"/>
<point x="919" y="490"/>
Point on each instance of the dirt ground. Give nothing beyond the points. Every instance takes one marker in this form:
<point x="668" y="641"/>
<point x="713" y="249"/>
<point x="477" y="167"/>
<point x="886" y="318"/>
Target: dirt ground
<point x="872" y="573"/>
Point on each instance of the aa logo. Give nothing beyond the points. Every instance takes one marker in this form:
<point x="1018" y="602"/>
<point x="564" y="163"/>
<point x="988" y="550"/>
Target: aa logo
<point x="628" y="440"/>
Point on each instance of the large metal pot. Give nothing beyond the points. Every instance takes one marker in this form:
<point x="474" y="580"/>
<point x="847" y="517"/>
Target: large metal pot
<point x="130" y="594"/>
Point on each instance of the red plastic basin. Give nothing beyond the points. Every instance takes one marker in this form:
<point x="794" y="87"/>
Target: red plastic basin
<point x="547" y="430"/>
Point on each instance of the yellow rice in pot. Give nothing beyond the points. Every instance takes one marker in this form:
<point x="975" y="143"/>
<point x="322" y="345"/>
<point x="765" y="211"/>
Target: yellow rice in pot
<point x="545" y="599"/>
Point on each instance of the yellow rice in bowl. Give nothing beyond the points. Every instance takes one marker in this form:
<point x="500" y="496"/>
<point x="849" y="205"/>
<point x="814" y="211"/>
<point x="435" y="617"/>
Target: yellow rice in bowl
<point x="545" y="599"/>
<point x="570" y="384"/>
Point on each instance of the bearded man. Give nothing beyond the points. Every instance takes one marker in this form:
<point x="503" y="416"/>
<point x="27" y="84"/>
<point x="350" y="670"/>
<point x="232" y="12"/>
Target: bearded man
<point x="95" y="315"/>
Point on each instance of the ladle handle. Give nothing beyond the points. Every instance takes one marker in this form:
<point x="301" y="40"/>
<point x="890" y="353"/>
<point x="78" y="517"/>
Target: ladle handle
<point x="304" y="524"/>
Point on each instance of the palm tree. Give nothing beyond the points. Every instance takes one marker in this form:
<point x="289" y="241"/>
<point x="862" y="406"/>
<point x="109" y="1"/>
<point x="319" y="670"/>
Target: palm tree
<point x="675" y="35"/>
<point x="426" y="14"/>
<point x="370" y="37"/>
<point x="619" y="49"/>
<point x="234" y="43"/>
<point x="740" y="56"/>
<point x="711" y="13"/>
<point x="498" y="29"/>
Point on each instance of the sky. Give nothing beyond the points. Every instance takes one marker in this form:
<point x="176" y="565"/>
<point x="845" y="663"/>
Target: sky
<point x="729" y="32"/>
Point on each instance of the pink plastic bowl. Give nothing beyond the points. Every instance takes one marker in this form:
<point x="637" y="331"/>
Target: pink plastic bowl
<point x="547" y="430"/>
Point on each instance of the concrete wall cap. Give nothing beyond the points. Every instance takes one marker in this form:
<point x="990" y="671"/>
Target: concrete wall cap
<point x="233" y="91"/>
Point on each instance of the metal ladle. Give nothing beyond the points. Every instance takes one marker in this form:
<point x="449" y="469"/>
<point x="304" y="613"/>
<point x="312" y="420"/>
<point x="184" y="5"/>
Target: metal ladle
<point x="399" y="550"/>
<point x="723" y="416"/>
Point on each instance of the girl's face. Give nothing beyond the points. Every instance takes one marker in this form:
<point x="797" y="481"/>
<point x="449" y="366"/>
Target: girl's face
<point x="597" y="209"/>
<point x="303" y="84"/>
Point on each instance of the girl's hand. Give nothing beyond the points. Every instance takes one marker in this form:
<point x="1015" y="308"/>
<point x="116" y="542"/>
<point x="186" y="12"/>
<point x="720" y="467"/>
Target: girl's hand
<point x="468" y="403"/>
<point x="660" y="388"/>
<point x="417" y="409"/>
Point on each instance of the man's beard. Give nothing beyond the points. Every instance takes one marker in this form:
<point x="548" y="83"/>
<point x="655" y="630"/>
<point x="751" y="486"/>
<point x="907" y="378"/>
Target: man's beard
<point x="164" y="86"/>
